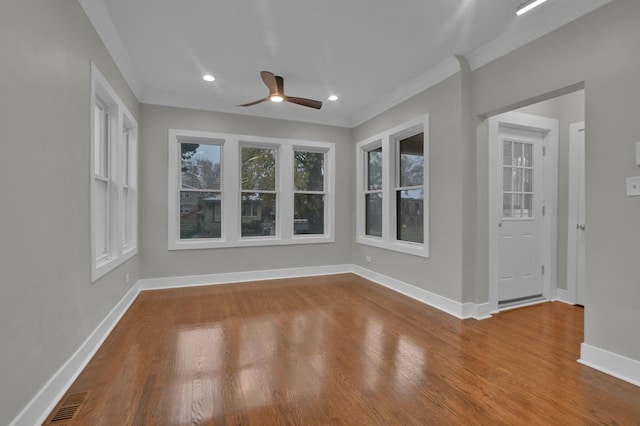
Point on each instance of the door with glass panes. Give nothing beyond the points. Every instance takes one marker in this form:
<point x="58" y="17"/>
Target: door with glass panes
<point x="521" y="227"/>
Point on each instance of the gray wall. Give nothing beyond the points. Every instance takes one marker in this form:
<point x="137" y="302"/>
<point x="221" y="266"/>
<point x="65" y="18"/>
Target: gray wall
<point x="158" y="261"/>
<point x="48" y="305"/>
<point x="567" y="109"/>
<point x="599" y="50"/>
<point x="442" y="272"/>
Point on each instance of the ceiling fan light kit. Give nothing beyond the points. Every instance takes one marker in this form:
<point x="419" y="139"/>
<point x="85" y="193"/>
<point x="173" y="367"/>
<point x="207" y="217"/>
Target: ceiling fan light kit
<point x="275" y="84"/>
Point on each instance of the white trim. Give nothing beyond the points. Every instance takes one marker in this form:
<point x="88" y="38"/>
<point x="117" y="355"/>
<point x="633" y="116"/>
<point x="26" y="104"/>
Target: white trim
<point x="576" y="155"/>
<point x="478" y="311"/>
<point x="549" y="128"/>
<point x="527" y="28"/>
<point x="37" y="410"/>
<point x="428" y="79"/>
<point x="562" y="295"/>
<point x="610" y="363"/>
<point x="240" y="277"/>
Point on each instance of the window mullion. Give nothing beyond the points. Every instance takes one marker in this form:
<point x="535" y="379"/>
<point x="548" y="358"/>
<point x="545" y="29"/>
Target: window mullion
<point x="286" y="186"/>
<point x="388" y="198"/>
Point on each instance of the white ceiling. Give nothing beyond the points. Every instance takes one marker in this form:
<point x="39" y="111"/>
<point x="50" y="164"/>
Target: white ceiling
<point x="373" y="54"/>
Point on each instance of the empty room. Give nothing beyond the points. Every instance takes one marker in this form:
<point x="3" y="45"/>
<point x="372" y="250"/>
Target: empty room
<point x="311" y="213"/>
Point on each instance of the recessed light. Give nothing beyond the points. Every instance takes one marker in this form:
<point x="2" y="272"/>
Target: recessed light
<point x="208" y="77"/>
<point x="333" y="98"/>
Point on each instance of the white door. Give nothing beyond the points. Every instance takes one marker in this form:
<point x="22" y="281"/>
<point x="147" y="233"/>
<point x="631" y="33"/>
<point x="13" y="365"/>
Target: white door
<point x="521" y="227"/>
<point x="522" y="208"/>
<point x="576" y="222"/>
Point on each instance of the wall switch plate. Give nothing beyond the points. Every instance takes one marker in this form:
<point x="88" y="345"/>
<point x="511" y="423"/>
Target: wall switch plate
<point x="633" y="186"/>
<point x="638" y="153"/>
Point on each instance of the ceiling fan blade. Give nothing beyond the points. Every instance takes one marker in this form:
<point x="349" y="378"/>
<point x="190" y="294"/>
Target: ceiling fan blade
<point x="304" y="102"/>
<point x="259" y="101"/>
<point x="270" y="81"/>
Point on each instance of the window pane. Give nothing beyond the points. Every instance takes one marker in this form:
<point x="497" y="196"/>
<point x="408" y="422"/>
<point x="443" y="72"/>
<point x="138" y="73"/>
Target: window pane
<point x="308" y="214"/>
<point x="258" y="169"/>
<point x="412" y="161"/>
<point x="517" y="147"/>
<point x="127" y="218"/>
<point x="200" y="214"/>
<point x="200" y="166"/>
<point x="258" y="214"/>
<point x="374" y="214"/>
<point x="101" y="145"/>
<point x="374" y="170"/>
<point x="126" y="152"/>
<point x="100" y="218"/>
<point x="309" y="171"/>
<point x="410" y="215"/>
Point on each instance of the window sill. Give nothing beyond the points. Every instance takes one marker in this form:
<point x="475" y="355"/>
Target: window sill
<point x="104" y="266"/>
<point x="397" y="246"/>
<point x="249" y="242"/>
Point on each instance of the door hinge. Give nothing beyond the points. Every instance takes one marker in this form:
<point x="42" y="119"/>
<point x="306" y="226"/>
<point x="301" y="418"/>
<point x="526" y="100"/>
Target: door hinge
<point x="542" y="269"/>
<point x="544" y="151"/>
<point x="544" y="210"/>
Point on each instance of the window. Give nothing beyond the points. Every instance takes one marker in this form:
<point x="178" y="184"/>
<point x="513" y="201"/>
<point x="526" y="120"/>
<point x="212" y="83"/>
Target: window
<point x="114" y="179"/>
<point x="309" y="192"/>
<point x="234" y="191"/>
<point x="392" y="175"/>
<point x="517" y="169"/>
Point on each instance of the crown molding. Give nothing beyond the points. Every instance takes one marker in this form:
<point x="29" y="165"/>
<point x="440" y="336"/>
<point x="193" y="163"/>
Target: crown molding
<point x="99" y="16"/>
<point x="433" y="76"/>
<point x="531" y="26"/>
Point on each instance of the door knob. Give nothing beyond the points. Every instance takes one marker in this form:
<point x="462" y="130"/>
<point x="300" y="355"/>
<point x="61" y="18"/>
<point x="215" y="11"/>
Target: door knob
<point x="582" y="227"/>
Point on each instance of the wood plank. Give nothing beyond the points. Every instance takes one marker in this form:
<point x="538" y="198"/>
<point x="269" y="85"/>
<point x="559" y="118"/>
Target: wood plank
<point x="341" y="350"/>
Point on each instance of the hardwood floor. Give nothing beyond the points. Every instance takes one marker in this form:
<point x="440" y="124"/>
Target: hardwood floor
<point x="343" y="351"/>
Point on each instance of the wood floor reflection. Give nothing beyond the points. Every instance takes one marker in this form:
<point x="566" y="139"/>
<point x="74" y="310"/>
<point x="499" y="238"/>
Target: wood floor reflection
<point x="341" y="350"/>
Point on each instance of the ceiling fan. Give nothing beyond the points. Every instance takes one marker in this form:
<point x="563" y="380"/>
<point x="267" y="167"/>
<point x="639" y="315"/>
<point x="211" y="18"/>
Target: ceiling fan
<point x="275" y="83"/>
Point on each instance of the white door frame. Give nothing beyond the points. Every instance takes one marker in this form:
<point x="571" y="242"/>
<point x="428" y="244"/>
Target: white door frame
<point x="548" y="127"/>
<point x="576" y="156"/>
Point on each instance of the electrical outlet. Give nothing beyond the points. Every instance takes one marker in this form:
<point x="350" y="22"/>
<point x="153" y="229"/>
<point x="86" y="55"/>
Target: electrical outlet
<point x="368" y="258"/>
<point x="633" y="186"/>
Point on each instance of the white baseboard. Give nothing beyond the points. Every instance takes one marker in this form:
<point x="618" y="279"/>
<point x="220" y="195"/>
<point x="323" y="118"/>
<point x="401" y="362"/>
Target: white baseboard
<point x="562" y="295"/>
<point x="615" y="365"/>
<point x="37" y="410"/>
<point x="457" y="309"/>
<point x="236" y="277"/>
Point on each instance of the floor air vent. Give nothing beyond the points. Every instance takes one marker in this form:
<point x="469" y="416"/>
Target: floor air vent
<point x="68" y="409"/>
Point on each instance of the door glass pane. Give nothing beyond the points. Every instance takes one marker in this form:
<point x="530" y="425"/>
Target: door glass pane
<point x="517" y="205"/>
<point x="517" y="179"/>
<point x="258" y="214"/>
<point x="527" y="205"/>
<point x="506" y="153"/>
<point x="309" y="171"/>
<point x="373" y="206"/>
<point x="517" y="154"/>
<point x="507" y="184"/>
<point x="308" y="214"/>
<point x="528" y="155"/>
<point x="258" y="169"/>
<point x="200" y="215"/>
<point x="506" y="205"/>
<point x="410" y="215"/>
<point x="412" y="161"/>
<point x="374" y="169"/>
<point x="200" y="166"/>
<point x="528" y="180"/>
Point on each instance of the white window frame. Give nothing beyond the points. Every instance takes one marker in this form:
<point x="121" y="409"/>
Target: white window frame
<point x="230" y="188"/>
<point x="388" y="140"/>
<point x="328" y="212"/>
<point x="119" y="221"/>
